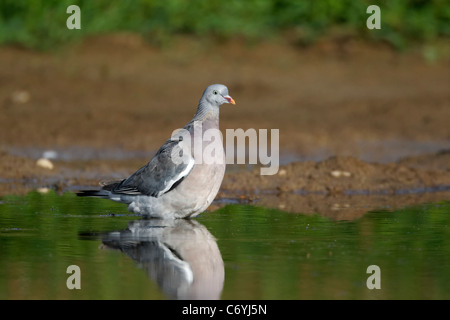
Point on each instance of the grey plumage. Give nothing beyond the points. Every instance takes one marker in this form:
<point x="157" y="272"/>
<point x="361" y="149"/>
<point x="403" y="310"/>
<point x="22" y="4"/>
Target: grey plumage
<point x="167" y="187"/>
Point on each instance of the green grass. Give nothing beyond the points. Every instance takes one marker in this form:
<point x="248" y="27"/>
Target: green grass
<point x="41" y="24"/>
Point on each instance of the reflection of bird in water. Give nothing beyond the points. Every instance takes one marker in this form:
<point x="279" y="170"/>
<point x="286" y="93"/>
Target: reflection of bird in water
<point x="182" y="256"/>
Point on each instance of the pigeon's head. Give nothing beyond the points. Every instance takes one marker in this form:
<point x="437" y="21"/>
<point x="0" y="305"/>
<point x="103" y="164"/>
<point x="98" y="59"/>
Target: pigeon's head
<point x="217" y="94"/>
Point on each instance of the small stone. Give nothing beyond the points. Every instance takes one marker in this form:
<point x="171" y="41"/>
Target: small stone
<point x="20" y="96"/>
<point x="43" y="190"/>
<point x="45" y="163"/>
<point x="335" y="206"/>
<point x="340" y="173"/>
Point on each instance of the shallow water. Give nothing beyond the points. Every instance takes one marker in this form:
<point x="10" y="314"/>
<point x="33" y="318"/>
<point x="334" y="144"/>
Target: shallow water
<point x="237" y="252"/>
<point x="383" y="151"/>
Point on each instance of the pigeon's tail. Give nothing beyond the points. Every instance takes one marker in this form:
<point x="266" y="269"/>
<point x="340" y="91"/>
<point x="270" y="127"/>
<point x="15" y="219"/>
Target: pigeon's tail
<point x="104" y="192"/>
<point x="94" y="193"/>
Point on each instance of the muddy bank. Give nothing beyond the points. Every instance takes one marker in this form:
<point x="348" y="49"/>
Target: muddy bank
<point x="349" y="175"/>
<point x="357" y="121"/>
<point x="341" y="187"/>
<point x="362" y="100"/>
<point x="345" y="187"/>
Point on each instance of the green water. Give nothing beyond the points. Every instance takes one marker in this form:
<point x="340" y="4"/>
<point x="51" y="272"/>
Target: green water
<point x="237" y="252"/>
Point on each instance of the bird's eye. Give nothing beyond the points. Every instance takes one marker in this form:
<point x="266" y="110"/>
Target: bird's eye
<point x="215" y="92"/>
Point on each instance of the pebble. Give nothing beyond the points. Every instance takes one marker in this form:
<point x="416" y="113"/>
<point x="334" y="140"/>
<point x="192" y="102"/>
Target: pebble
<point x="45" y="163"/>
<point x="340" y="173"/>
<point x="43" y="190"/>
<point x="20" y="96"/>
<point x="337" y="206"/>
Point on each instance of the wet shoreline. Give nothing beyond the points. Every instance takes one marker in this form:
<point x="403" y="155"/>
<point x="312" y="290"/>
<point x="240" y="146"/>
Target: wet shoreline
<point x="341" y="188"/>
<point x="364" y="128"/>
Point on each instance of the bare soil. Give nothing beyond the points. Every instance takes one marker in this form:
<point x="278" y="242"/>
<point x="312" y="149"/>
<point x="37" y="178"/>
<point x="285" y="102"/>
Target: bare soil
<point x="359" y="123"/>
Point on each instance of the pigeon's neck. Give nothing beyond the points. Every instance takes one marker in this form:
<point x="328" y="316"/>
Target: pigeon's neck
<point x="205" y="111"/>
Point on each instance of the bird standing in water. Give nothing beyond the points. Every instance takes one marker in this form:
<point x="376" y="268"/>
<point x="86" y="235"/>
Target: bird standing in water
<point x="177" y="182"/>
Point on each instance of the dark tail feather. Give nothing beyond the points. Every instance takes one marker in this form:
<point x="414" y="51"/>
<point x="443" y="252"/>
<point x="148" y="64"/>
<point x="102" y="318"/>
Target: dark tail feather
<point x="103" y="192"/>
<point x="94" y="193"/>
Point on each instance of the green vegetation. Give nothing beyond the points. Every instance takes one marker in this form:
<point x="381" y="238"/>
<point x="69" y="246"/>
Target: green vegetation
<point x="41" y="24"/>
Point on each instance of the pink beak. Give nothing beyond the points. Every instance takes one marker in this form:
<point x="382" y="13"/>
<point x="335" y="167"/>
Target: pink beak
<point x="230" y="99"/>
